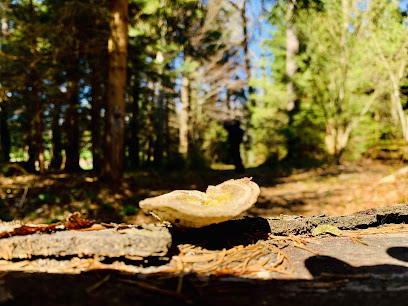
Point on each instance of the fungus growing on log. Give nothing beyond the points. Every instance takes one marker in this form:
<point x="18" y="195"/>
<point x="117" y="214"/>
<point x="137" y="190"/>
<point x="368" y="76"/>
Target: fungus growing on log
<point x="192" y="208"/>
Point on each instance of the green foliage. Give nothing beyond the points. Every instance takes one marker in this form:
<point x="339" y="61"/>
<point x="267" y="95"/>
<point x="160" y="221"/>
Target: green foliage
<point x="52" y="220"/>
<point x="129" y="210"/>
<point x="344" y="81"/>
<point x="107" y="207"/>
<point x="215" y="143"/>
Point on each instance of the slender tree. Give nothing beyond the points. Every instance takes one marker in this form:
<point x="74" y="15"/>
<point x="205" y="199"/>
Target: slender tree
<point x="116" y="91"/>
<point x="292" y="49"/>
<point x="35" y="89"/>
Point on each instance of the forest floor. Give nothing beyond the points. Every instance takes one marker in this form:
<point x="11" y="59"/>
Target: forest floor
<point x="330" y="190"/>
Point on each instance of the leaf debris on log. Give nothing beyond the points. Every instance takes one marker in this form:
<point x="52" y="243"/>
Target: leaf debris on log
<point x="74" y="222"/>
<point x="261" y="257"/>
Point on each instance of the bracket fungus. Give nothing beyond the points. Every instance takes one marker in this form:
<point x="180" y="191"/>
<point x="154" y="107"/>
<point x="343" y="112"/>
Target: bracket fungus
<point x="192" y="208"/>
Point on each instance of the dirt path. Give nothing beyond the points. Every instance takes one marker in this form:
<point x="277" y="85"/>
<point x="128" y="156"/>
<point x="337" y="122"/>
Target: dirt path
<point x="339" y="190"/>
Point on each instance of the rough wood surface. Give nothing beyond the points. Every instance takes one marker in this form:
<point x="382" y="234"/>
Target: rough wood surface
<point x="152" y="240"/>
<point x="144" y="241"/>
<point x="248" y="230"/>
<point x="362" y="219"/>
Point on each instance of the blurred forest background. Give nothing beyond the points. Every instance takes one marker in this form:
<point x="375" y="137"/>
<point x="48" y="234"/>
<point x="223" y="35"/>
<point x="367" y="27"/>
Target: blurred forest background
<point x="135" y="92"/>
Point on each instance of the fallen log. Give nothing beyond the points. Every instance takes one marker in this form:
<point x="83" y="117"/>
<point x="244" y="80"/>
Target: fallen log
<point x="155" y="240"/>
<point x="248" y="230"/>
<point x="362" y="219"/>
<point x="139" y="241"/>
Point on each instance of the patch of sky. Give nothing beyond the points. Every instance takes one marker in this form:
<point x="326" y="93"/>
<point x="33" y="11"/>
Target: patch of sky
<point x="262" y="31"/>
<point x="403" y="5"/>
<point x="362" y="5"/>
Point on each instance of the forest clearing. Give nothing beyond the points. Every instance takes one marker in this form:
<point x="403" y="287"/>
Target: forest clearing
<point x="331" y="190"/>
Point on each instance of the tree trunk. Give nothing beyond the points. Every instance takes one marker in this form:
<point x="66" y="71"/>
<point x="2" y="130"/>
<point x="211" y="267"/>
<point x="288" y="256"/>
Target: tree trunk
<point x="35" y="91"/>
<point x="184" y="116"/>
<point x="292" y="49"/>
<point x="5" y="143"/>
<point x="71" y="120"/>
<point x="32" y="146"/>
<point x="158" y="149"/>
<point x="167" y="137"/>
<point x="116" y="91"/>
<point x="245" y="44"/>
<point x="96" y="121"/>
<point x="56" y="151"/>
<point x="134" y="127"/>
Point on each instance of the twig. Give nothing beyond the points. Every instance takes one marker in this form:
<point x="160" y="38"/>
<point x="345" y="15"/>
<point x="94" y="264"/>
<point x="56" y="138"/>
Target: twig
<point x="20" y="205"/>
<point x="305" y="248"/>
<point x="180" y="283"/>
<point x="98" y="284"/>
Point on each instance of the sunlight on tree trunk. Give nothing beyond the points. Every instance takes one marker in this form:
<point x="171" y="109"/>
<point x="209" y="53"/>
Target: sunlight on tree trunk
<point x="184" y="116"/>
<point x="116" y="90"/>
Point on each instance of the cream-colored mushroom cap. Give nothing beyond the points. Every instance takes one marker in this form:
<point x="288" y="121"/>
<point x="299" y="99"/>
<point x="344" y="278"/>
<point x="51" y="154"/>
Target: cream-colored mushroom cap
<point x="192" y="208"/>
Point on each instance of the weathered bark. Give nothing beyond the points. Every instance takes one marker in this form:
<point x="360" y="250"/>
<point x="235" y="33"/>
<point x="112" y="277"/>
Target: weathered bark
<point x="116" y="91"/>
<point x="367" y="218"/>
<point x="251" y="229"/>
<point x="5" y="144"/>
<point x="184" y="116"/>
<point x="56" y="150"/>
<point x="35" y="90"/>
<point x="143" y="241"/>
